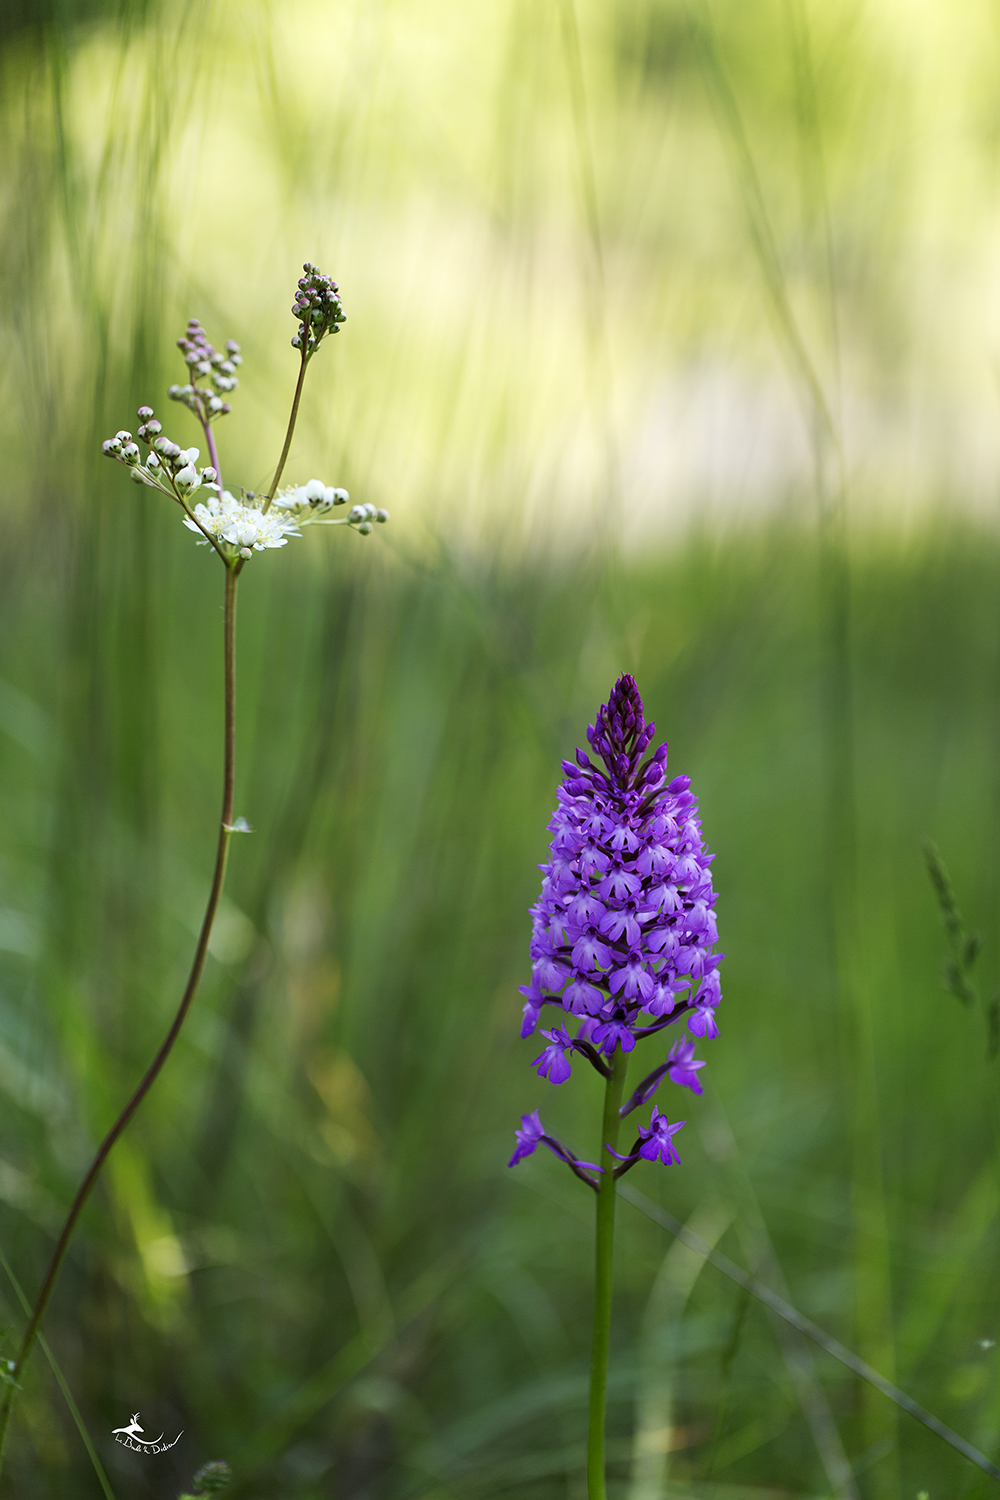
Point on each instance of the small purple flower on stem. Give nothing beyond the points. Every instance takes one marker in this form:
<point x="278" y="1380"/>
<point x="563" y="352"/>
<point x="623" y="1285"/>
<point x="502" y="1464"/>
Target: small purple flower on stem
<point x="528" y="1137"/>
<point x="654" y="1142"/>
<point x="532" y="1135"/>
<point x="532" y="1009"/>
<point x="656" y="1139"/>
<point x="608" y="1036"/>
<point x="553" y="1063"/>
<point x="581" y="997"/>
<point x="682" y="1067"/>
<point x="701" y="1021"/>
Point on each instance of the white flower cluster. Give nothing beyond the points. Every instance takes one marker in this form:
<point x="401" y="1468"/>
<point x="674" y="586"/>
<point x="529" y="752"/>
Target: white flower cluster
<point x="240" y="524"/>
<point x="309" y="502"/>
<point x="314" y="496"/>
<point x="237" y="526"/>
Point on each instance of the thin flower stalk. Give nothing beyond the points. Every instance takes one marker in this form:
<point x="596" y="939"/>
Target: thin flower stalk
<point x="318" y="306"/>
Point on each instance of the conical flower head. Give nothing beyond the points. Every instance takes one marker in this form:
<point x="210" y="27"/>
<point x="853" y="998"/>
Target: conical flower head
<point x="624" y="930"/>
<point x="621" y="733"/>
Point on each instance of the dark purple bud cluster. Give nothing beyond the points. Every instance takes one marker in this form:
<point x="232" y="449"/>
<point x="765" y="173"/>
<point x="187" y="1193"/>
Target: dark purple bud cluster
<point x="624" y="932"/>
<point x="319" y="310"/>
<point x="206" y="363"/>
<point x="620" y="737"/>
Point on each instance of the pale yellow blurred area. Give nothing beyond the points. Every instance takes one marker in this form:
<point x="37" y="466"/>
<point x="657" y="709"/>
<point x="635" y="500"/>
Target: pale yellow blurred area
<point x="546" y="221"/>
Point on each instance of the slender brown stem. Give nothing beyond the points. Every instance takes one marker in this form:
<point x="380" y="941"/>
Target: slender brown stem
<point x="212" y="452"/>
<point x="293" y="414"/>
<point x="197" y="966"/>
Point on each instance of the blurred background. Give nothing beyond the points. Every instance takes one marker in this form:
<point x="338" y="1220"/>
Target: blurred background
<point x="673" y="346"/>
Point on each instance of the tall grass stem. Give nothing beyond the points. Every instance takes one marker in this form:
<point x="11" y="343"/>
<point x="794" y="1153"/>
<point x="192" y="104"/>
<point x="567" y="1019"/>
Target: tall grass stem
<point x="784" y="1310"/>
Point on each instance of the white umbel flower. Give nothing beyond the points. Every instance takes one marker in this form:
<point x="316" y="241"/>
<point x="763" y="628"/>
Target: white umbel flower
<point x="312" y="496"/>
<point x="309" y="504"/>
<point x="241" y="524"/>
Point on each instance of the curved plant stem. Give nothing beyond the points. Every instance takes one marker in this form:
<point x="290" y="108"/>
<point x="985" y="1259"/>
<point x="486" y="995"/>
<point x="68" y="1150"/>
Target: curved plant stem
<point x="150" y="1076"/>
<point x="293" y="414"/>
<point x="213" y="452"/>
<point x="614" y="1088"/>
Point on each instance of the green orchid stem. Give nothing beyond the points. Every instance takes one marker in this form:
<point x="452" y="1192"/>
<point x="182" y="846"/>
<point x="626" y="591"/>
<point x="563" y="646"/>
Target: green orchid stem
<point x="152" y="1072"/>
<point x="603" y="1279"/>
<point x="292" y="416"/>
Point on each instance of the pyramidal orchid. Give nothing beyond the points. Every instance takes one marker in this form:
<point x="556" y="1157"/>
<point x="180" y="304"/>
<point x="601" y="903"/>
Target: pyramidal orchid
<point x="623" y="944"/>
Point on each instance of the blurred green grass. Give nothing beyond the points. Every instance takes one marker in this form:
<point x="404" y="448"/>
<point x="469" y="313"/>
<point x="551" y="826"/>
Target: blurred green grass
<point x="310" y="1247"/>
<point x="308" y="1252"/>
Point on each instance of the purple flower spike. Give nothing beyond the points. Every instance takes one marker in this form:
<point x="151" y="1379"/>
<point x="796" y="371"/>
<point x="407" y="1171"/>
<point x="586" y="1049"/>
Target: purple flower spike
<point x="682" y="1067"/>
<point x="624" y="932"/>
<point x="656" y="1139"/>
<point x="625" y="924"/>
<point x="528" y="1137"/>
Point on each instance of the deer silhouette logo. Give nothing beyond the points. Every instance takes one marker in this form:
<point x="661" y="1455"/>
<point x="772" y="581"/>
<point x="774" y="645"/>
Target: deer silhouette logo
<point x="132" y="1431"/>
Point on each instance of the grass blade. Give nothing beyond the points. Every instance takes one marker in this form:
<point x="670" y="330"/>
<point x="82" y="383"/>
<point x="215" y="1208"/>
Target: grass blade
<point x="804" y="1325"/>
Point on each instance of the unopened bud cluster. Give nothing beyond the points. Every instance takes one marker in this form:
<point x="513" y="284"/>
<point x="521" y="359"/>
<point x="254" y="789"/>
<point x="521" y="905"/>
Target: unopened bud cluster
<point x="362" y="517"/>
<point x="207" y="364"/>
<point x="319" y="310"/>
<point x="167" y="467"/>
<point x="310" y="502"/>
